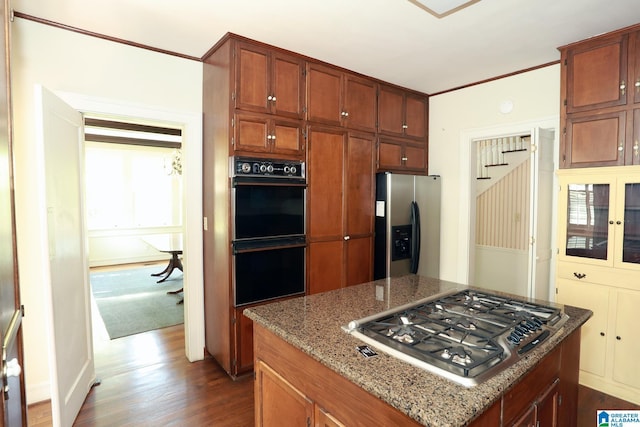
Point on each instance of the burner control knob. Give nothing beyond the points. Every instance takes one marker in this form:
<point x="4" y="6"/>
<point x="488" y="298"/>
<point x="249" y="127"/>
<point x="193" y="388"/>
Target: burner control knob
<point x="270" y="168"/>
<point x="287" y="170"/>
<point x="245" y="167"/>
<point x="293" y="169"/>
<point x="263" y="168"/>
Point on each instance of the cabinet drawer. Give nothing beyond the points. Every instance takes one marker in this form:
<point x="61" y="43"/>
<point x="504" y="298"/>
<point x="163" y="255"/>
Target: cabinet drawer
<point x="600" y="275"/>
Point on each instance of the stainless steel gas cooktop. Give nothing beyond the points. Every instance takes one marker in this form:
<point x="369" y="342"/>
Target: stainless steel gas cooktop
<point x="466" y="336"/>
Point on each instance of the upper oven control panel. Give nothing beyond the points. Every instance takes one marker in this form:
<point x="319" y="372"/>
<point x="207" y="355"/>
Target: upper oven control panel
<point x="245" y="166"/>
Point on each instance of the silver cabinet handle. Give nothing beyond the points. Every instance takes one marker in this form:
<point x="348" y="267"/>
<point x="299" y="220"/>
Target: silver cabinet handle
<point x="347" y="237"/>
<point x="405" y="126"/>
<point x="623" y="86"/>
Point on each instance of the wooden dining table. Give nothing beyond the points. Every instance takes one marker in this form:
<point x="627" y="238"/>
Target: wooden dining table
<point x="170" y="243"/>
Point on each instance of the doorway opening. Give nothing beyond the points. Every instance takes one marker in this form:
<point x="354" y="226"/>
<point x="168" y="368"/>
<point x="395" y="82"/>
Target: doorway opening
<point x="134" y="204"/>
<point x="509" y="217"/>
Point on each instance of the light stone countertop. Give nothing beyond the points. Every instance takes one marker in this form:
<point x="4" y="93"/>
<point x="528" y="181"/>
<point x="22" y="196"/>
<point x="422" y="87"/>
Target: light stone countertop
<point x="313" y="325"/>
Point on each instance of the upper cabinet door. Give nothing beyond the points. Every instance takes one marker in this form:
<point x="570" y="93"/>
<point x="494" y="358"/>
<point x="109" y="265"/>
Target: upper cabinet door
<point x="402" y="113"/>
<point x="390" y="111"/>
<point x="360" y="109"/>
<point x="252" y="78"/>
<point x="324" y="94"/>
<point x="634" y="77"/>
<point x="597" y="74"/>
<point x="288" y="86"/>
<point x="268" y="81"/>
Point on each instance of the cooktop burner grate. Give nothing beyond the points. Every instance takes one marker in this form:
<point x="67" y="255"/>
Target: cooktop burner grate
<point x="465" y="334"/>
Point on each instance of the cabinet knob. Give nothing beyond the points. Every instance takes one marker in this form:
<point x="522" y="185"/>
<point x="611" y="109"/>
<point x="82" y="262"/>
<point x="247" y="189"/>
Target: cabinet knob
<point x="404" y="159"/>
<point x="611" y="222"/>
<point x="344" y="114"/>
<point x="269" y="98"/>
<point x="347" y="237"/>
<point x="618" y="337"/>
<point x="273" y="98"/>
<point x="601" y="334"/>
<point x="636" y="148"/>
<point x="618" y="222"/>
<point x="621" y="146"/>
<point x="623" y="87"/>
<point x="404" y="126"/>
<point x="637" y="85"/>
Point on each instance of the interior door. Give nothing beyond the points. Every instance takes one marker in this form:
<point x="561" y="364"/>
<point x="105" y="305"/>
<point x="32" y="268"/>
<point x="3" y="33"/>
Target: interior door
<point x="13" y="408"/>
<point x="541" y="203"/>
<point x="60" y="139"/>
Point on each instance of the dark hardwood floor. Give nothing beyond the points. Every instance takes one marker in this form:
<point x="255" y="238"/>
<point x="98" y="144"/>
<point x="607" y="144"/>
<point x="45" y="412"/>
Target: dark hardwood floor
<point x="147" y="381"/>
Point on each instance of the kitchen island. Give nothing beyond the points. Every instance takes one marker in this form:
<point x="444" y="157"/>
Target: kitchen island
<point x="307" y="366"/>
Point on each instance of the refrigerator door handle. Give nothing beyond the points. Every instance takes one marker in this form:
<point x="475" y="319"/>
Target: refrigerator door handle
<point x="415" y="237"/>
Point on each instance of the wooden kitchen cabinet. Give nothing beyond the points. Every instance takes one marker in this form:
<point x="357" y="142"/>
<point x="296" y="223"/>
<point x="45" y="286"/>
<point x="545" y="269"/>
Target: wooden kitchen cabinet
<point x="340" y="209"/>
<point x="597" y="73"/>
<point x="402" y="113"/>
<point x="310" y="384"/>
<point x="263" y="133"/>
<point x="600" y="92"/>
<point x="401" y="155"/>
<point x="339" y="98"/>
<point x="269" y="81"/>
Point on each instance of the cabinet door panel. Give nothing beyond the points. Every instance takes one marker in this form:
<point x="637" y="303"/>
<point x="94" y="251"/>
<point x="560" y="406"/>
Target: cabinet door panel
<point x="360" y="103"/>
<point x="324" y="89"/>
<point x="252" y="78"/>
<point x="287" y="137"/>
<point x="416" y="158"/>
<point x="634" y="77"/>
<point x="595" y="72"/>
<point x="244" y="342"/>
<point x="359" y="260"/>
<point x="626" y="344"/>
<point x="595" y="140"/>
<point x="416" y="117"/>
<point x="288" y="86"/>
<point x="389" y="155"/>
<point x="594" y="332"/>
<point x="326" y="262"/>
<point x="390" y="111"/>
<point x="359" y="171"/>
<point x="325" y="184"/>
<point x="278" y="402"/>
<point x="251" y="133"/>
<point x="547" y="407"/>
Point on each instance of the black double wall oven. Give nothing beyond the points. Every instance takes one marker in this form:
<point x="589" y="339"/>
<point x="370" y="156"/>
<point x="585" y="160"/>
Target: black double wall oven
<point x="269" y="241"/>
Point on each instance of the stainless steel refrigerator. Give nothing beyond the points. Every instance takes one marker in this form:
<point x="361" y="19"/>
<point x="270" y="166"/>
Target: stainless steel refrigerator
<point x="407" y="225"/>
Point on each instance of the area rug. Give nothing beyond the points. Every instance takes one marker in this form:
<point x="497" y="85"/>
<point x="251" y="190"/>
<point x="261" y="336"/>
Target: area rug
<point x="130" y="301"/>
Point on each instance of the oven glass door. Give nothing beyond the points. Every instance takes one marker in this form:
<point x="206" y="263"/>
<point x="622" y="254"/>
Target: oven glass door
<point x="268" y="210"/>
<point x="268" y="273"/>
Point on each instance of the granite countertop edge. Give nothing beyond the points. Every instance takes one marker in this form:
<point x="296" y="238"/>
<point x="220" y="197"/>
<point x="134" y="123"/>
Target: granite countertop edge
<point x="427" y="398"/>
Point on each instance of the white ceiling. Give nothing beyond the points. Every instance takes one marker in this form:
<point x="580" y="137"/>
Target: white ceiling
<point x="393" y="40"/>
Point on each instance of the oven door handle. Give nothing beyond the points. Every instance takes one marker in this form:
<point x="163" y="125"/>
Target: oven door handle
<point x="241" y="247"/>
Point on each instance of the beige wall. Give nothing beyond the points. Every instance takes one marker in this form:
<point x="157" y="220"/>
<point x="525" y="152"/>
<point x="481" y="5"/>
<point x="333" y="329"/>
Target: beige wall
<point x="66" y="62"/>
<point x="473" y="111"/>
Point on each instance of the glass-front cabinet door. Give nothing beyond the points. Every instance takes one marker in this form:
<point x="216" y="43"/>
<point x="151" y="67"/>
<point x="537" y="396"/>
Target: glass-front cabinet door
<point x="587" y="233"/>
<point x="627" y="225"/>
<point x="599" y="220"/>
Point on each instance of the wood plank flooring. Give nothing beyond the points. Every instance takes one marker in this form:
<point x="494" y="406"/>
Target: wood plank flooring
<point x="147" y="381"/>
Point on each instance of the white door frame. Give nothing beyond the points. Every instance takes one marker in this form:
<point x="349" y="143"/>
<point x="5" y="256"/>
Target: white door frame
<point x="466" y="195"/>
<point x="191" y="124"/>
